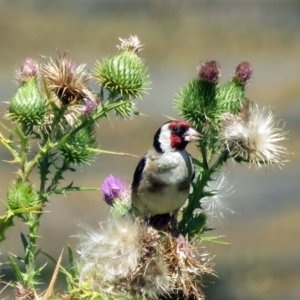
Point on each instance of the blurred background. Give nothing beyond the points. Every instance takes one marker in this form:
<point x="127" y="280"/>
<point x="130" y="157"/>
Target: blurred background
<point x="262" y="217"/>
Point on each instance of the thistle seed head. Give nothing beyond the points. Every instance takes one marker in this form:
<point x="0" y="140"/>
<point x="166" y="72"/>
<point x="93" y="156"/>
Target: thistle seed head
<point x="253" y="136"/>
<point x="131" y="44"/>
<point x="67" y="80"/>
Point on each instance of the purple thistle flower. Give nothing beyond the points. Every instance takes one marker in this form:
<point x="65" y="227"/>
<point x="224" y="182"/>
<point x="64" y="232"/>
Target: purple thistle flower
<point x="29" y="68"/>
<point x="243" y="72"/>
<point x="90" y="106"/>
<point x="209" y="71"/>
<point x="113" y="188"/>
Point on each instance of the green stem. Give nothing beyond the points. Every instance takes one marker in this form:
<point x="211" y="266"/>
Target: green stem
<point x="204" y="155"/>
<point x="69" y="189"/>
<point x="59" y="113"/>
<point x="30" y="166"/>
<point x="24" y="147"/>
<point x="222" y="158"/>
<point x="194" y="201"/>
<point x="7" y="144"/>
<point x="199" y="187"/>
<point x="34" y="224"/>
<point x="58" y="176"/>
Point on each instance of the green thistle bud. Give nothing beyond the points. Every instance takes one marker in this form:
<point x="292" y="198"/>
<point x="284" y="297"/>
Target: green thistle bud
<point x="190" y="105"/>
<point x="231" y="95"/>
<point x="22" y="195"/>
<point x="78" y="150"/>
<point x="196" y="102"/>
<point x="27" y="106"/>
<point x="124" y="74"/>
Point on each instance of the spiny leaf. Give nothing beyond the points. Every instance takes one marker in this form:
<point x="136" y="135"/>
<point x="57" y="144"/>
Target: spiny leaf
<point x="24" y="241"/>
<point x="19" y="275"/>
<point x="6" y="221"/>
<point x="72" y="263"/>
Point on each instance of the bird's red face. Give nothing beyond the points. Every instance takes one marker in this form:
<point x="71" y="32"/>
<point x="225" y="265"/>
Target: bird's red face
<point x="175" y="135"/>
<point x="177" y="138"/>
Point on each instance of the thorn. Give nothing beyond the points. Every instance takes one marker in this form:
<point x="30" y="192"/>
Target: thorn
<point x="15" y="161"/>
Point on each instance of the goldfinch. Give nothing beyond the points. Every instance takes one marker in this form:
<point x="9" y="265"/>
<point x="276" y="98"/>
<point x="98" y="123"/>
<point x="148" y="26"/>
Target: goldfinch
<point x="161" y="181"/>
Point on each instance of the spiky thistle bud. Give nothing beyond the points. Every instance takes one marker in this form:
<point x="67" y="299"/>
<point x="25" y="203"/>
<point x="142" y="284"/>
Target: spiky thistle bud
<point x="79" y="147"/>
<point x="124" y="74"/>
<point x="28" y="105"/>
<point x="231" y="95"/>
<point x="29" y="69"/>
<point x="243" y="72"/>
<point x="209" y="71"/>
<point x="190" y="104"/>
<point x="196" y="101"/>
<point x="22" y="195"/>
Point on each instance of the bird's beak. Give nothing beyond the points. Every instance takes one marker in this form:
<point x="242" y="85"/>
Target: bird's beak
<point x="192" y="135"/>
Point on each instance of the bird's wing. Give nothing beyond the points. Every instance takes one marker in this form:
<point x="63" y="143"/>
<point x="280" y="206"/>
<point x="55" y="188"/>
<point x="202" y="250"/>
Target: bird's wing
<point x="138" y="173"/>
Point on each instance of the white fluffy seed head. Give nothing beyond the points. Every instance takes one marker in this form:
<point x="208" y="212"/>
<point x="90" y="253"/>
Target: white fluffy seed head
<point x="153" y="278"/>
<point x="216" y="205"/>
<point x="254" y="136"/>
<point x="112" y="251"/>
<point x="133" y="260"/>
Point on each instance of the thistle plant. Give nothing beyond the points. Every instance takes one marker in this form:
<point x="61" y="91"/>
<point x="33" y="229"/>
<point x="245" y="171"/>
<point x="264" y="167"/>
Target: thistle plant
<point x="125" y="257"/>
<point x="233" y="127"/>
<point x="53" y="116"/>
<point x="144" y="262"/>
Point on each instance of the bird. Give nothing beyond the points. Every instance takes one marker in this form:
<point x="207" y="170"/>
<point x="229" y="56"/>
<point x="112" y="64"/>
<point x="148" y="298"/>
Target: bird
<point x="162" y="178"/>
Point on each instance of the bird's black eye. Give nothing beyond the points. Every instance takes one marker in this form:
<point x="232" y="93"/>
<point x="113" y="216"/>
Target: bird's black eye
<point x="175" y="129"/>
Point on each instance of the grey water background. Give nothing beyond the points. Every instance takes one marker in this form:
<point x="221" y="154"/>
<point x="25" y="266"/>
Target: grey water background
<point x="263" y="259"/>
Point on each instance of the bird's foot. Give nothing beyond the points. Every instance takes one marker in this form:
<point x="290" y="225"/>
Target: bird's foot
<point x="174" y="225"/>
<point x="159" y="222"/>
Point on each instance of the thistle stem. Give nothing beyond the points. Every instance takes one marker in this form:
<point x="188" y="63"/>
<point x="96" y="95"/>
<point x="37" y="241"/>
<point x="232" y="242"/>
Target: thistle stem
<point x="34" y="224"/>
<point x="7" y="144"/>
<point x="24" y="147"/>
<point x="30" y="166"/>
<point x="58" y="176"/>
<point x="199" y="187"/>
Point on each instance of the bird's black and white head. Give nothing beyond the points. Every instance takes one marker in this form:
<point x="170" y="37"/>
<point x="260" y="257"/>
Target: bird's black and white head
<point x="174" y="136"/>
